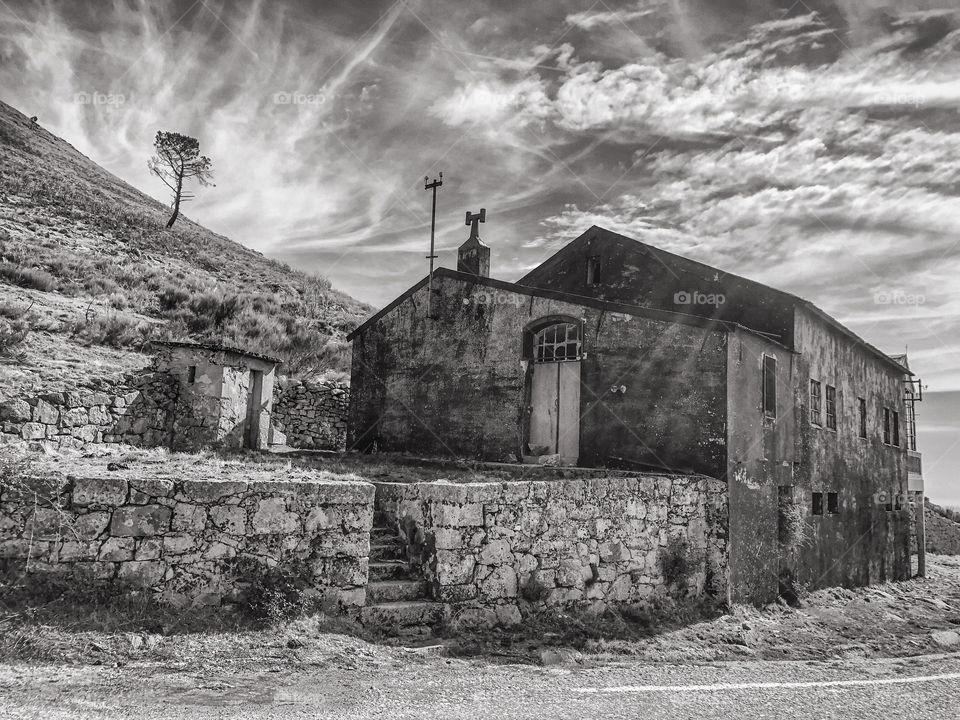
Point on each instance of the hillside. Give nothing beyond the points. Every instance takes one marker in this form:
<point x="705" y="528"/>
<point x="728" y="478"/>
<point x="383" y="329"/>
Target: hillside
<point x="89" y="275"/>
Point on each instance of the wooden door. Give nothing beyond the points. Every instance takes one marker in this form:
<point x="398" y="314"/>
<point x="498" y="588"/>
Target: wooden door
<point x="251" y="436"/>
<point x="544" y="406"/>
<point x="555" y="409"/>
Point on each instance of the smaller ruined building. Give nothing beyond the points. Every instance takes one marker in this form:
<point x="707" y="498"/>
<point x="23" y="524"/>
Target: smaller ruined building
<point x="225" y="395"/>
<point x="616" y="354"/>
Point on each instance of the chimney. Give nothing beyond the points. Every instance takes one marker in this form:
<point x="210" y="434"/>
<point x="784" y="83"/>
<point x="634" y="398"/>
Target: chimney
<point x="474" y="255"/>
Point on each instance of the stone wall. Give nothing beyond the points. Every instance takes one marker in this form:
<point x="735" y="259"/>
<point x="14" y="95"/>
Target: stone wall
<point x="312" y="414"/>
<point x="486" y="546"/>
<point x="187" y="540"/>
<point x="139" y="412"/>
<point x="943" y="534"/>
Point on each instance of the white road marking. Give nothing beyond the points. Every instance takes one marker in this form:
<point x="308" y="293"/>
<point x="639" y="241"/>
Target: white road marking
<point x="768" y="685"/>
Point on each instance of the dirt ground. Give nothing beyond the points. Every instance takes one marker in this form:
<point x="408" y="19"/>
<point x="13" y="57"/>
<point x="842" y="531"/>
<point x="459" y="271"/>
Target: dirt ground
<point x="914" y="617"/>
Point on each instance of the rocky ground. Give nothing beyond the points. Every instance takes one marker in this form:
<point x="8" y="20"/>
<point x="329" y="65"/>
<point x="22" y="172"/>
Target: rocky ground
<point x="892" y="649"/>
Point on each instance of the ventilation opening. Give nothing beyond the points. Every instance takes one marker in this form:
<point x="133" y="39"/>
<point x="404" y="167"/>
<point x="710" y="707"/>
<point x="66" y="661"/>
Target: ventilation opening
<point x="833" y="503"/>
<point x="192" y="374"/>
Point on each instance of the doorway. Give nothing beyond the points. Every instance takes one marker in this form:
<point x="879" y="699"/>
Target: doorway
<point x="555" y="392"/>
<point x="251" y="435"/>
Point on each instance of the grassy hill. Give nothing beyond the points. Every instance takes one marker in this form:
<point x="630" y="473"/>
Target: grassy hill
<point x="87" y="266"/>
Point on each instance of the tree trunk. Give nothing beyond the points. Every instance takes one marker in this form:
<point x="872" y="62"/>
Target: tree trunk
<point x="176" y="201"/>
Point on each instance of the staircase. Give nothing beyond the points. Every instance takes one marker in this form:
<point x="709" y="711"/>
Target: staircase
<point x="397" y="595"/>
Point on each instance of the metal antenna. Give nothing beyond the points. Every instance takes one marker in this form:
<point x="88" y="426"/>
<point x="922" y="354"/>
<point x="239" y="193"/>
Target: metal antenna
<point x="427" y="185"/>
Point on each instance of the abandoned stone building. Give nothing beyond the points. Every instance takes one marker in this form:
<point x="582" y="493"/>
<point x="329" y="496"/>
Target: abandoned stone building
<point x="616" y="354"/>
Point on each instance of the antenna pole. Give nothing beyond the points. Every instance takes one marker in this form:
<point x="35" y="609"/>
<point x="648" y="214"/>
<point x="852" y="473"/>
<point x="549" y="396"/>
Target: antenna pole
<point x="427" y="185"/>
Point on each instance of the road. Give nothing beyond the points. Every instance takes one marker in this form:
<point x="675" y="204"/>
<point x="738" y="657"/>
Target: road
<point x="437" y="687"/>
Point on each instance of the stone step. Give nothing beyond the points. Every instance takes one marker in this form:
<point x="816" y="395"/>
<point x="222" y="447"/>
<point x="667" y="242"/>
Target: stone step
<point x="403" y="613"/>
<point x="387" y="551"/>
<point x="386" y="591"/>
<point x="389" y="570"/>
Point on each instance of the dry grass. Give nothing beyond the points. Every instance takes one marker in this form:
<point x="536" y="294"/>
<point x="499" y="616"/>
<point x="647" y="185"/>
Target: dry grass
<point x="202" y="285"/>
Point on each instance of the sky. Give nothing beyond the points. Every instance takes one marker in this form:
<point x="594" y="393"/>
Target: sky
<point x="811" y="145"/>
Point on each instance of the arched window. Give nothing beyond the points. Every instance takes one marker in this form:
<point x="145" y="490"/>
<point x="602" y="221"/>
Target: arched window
<point x="557" y="342"/>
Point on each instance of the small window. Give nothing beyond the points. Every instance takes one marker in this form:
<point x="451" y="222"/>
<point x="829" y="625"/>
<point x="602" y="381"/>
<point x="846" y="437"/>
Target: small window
<point x="889" y="504"/>
<point x="815" y="402"/>
<point x="818" y="503"/>
<point x="886" y="426"/>
<point x="898" y="501"/>
<point x="191" y="374"/>
<point x="593" y="270"/>
<point x="769" y="386"/>
<point x="862" y="410"/>
<point x="896" y="428"/>
<point x="557" y="343"/>
<point x="833" y="503"/>
<point x="831" y="397"/>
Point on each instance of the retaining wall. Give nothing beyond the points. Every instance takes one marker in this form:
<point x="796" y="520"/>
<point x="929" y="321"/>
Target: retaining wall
<point x="184" y="539"/>
<point x="485" y="546"/>
<point x="313" y="414"/>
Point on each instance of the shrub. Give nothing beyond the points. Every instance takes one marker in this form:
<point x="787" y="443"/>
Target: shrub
<point x="277" y="593"/>
<point x="675" y="562"/>
<point x="27" y="277"/>
<point x="115" y="330"/>
<point x="12" y="335"/>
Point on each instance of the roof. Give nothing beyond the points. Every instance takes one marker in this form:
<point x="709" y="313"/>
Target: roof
<point x="667" y="258"/>
<point x="636" y="310"/>
<point x="217" y="348"/>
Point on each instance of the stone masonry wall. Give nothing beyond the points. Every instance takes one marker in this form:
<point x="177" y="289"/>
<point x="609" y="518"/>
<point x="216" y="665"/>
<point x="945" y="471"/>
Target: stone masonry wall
<point x="138" y="413"/>
<point x="943" y="534"/>
<point x="485" y="546"/>
<point x="313" y="414"/>
<point x="184" y="539"/>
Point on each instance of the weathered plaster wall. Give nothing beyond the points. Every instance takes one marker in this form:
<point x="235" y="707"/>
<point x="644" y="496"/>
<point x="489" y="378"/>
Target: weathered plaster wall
<point x="182" y="539"/>
<point x="760" y="456"/>
<point x="486" y="546"/>
<point x="312" y="414"/>
<point x="864" y="543"/>
<point x="455" y="385"/>
<point x="213" y="409"/>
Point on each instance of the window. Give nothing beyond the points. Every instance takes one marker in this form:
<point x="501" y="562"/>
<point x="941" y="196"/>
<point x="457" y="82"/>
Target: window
<point x="910" y="424"/>
<point x="593" y="270"/>
<point x="815" y="402"/>
<point x="557" y="343"/>
<point x="831" y="407"/>
<point x="886" y="426"/>
<point x="833" y="503"/>
<point x="769" y="386"/>
<point x="818" y="503"/>
<point x="889" y="504"/>
<point x="862" y="410"/>
<point x="896" y="428"/>
<point x="191" y="374"/>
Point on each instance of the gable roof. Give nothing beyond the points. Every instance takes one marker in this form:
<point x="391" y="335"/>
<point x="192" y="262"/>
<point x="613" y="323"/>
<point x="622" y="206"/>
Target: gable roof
<point x="636" y="310"/>
<point x="686" y="265"/>
<point x="217" y="348"/>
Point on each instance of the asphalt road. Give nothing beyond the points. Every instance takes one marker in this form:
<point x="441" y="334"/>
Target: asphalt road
<point x="903" y="689"/>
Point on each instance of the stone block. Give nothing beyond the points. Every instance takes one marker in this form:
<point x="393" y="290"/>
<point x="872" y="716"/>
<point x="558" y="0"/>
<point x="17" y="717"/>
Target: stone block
<point x="15" y="410"/>
<point x="219" y="551"/>
<point x="501" y="582"/>
<point x="140" y="521"/>
<point x="207" y="491"/>
<point x="449" y="515"/>
<point x="116" y="549"/>
<point x="47" y="524"/>
<point x="144" y="573"/>
<point x="90" y="525"/>
<point x="33" y="431"/>
<point x="453" y="568"/>
<point x="189" y="518"/>
<point x="570" y="574"/>
<point x="348" y="572"/>
<point x="73" y="551"/>
<point x="272" y="517"/>
<point x="456" y="593"/>
<point x="497" y="552"/>
<point x="149" y="549"/>
<point x="100" y="415"/>
<point x="45" y="413"/>
<point x="231" y="519"/>
<point x="178" y="544"/>
<point x="99" y="491"/>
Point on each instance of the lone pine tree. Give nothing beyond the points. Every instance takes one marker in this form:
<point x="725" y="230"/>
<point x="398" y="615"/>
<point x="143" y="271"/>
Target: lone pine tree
<point x="177" y="158"/>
